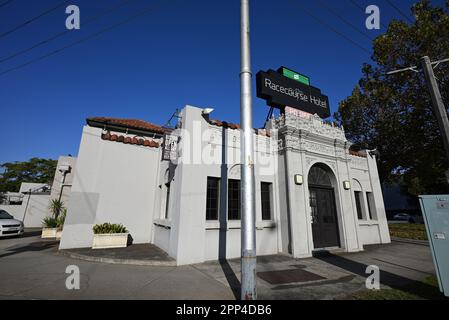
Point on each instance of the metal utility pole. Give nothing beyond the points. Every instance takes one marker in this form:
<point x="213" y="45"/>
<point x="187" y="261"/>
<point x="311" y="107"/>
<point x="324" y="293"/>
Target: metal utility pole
<point x="437" y="102"/>
<point x="248" y="230"/>
<point x="438" y="108"/>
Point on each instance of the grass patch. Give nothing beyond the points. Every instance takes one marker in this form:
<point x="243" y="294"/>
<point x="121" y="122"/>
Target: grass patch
<point x="413" y="231"/>
<point x="419" y="290"/>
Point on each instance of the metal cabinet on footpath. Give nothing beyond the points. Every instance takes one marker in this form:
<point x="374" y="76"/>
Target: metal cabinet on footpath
<point x="435" y="209"/>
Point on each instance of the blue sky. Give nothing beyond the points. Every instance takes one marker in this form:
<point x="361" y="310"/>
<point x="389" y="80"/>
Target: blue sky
<point x="182" y="52"/>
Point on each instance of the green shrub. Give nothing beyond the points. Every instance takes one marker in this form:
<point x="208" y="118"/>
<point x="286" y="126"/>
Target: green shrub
<point x="61" y="219"/>
<point x="109" y="228"/>
<point x="50" y="222"/>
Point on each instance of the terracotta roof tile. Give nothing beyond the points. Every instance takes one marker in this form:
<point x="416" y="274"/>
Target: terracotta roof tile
<point x="130" y="123"/>
<point x="361" y="153"/>
<point x="128" y="140"/>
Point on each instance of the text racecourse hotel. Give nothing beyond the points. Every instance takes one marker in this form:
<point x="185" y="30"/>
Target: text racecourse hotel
<point x="180" y="189"/>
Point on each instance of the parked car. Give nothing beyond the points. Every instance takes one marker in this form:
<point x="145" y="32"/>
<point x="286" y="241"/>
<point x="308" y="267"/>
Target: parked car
<point x="402" y="217"/>
<point x="10" y="226"/>
<point x="409" y="218"/>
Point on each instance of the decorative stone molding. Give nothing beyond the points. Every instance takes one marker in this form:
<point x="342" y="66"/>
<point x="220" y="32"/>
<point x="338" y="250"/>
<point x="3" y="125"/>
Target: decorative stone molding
<point x="340" y="152"/>
<point x="331" y="164"/>
<point x="309" y="160"/>
<point x="319" y="148"/>
<point x="235" y="172"/>
<point x="313" y="124"/>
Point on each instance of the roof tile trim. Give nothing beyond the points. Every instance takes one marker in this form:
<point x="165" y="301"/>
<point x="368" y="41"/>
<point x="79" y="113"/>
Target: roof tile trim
<point x="130" y="140"/>
<point x="360" y="153"/>
<point x="130" y="123"/>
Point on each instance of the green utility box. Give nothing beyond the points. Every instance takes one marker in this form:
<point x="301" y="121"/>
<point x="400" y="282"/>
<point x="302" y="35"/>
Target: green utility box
<point x="435" y="209"/>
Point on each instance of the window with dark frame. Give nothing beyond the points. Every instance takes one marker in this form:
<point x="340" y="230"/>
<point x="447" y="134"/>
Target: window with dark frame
<point x="358" y="203"/>
<point x="233" y="199"/>
<point x="212" y="198"/>
<point x="265" y="195"/>
<point x="370" y="209"/>
<point x="167" y="199"/>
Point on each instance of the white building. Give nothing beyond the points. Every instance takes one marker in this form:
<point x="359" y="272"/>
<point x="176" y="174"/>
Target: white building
<point x="312" y="192"/>
<point x="30" y="204"/>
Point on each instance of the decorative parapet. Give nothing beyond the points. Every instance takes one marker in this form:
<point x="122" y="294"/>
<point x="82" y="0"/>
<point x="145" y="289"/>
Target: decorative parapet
<point x="308" y="123"/>
<point x="305" y="132"/>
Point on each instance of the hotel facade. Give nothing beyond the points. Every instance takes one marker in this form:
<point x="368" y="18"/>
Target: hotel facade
<point x="179" y="189"/>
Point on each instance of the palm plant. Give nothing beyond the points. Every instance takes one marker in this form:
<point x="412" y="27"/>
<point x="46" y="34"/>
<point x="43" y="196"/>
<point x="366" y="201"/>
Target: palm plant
<point x="61" y="219"/>
<point x="56" y="207"/>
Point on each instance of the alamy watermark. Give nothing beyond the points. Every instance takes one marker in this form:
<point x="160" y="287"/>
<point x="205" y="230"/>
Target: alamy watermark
<point x="372" y="22"/>
<point x="72" y="282"/>
<point x="73" y="20"/>
<point x="372" y="282"/>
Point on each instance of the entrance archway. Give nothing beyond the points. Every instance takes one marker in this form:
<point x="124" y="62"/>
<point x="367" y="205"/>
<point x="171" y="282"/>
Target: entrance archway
<point x="322" y="203"/>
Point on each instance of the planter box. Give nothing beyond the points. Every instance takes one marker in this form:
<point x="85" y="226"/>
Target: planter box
<point x="58" y="235"/>
<point x="110" y="240"/>
<point x="49" y="233"/>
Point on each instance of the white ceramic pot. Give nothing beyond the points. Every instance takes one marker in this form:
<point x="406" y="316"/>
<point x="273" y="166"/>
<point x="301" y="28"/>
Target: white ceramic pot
<point x="110" y="240"/>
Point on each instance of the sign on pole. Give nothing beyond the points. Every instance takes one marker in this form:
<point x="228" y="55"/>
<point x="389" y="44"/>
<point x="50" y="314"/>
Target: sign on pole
<point x="170" y="146"/>
<point x="289" y="88"/>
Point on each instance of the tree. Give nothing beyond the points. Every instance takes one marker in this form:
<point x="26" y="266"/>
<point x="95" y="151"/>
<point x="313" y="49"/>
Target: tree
<point x="394" y="113"/>
<point x="35" y="170"/>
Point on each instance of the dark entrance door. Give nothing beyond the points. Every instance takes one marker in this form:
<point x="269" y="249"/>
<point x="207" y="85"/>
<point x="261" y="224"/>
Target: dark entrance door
<point x="324" y="217"/>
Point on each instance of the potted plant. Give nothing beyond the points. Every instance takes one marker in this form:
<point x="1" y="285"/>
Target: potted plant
<point x="109" y="235"/>
<point x="50" y="227"/>
<point x="53" y="225"/>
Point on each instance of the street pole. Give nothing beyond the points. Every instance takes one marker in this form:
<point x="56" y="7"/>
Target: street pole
<point x="248" y="229"/>
<point x="437" y="102"/>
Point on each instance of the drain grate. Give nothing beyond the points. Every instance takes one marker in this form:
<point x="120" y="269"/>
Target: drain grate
<point x="289" y="276"/>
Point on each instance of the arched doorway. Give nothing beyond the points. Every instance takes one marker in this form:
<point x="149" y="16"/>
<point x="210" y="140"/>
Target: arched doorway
<point x="322" y="203"/>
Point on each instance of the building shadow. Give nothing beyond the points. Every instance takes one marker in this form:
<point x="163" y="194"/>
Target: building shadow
<point x="30" y="247"/>
<point x="392" y="280"/>
<point x="231" y="277"/>
<point x="31" y="233"/>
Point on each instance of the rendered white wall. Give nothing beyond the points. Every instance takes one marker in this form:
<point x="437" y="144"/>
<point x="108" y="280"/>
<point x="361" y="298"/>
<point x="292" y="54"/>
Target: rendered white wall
<point x="113" y="182"/>
<point x="36" y="212"/>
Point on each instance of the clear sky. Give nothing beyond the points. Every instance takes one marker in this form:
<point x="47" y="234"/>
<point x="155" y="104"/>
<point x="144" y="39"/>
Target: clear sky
<point x="181" y="52"/>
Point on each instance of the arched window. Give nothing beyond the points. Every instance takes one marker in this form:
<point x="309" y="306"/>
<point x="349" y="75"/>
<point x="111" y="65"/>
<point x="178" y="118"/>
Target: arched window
<point x="318" y="176"/>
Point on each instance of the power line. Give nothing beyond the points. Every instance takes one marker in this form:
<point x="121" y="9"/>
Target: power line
<point x="335" y="13"/>
<point x="399" y="10"/>
<point x="364" y="11"/>
<point x="33" y="19"/>
<point x="36" y="45"/>
<point x="141" y="13"/>
<point x="5" y="3"/>
<point x="331" y="28"/>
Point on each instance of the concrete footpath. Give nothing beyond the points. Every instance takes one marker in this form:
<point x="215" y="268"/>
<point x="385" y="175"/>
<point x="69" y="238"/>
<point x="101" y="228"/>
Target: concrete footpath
<point x="32" y="268"/>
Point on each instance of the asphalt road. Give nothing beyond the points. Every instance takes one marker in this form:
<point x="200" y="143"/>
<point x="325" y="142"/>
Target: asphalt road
<point x="31" y="268"/>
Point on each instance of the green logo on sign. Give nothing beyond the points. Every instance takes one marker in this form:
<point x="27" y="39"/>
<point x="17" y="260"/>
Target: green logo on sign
<point x="295" y="76"/>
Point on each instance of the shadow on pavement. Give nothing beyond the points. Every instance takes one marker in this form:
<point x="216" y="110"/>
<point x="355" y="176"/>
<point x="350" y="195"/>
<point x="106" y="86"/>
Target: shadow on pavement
<point x="392" y="280"/>
<point x="34" y="246"/>
<point x="33" y="233"/>
<point x="233" y="281"/>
